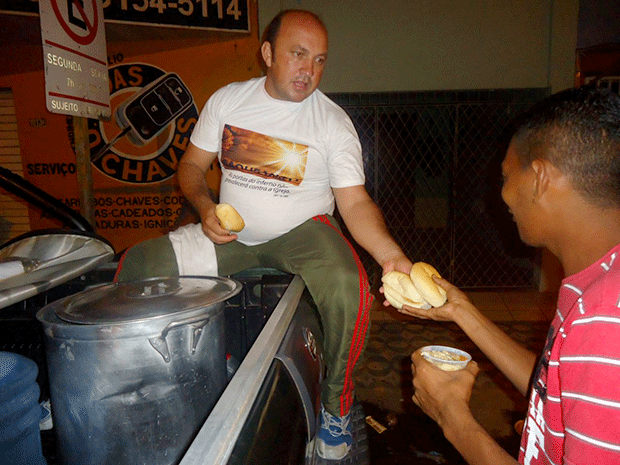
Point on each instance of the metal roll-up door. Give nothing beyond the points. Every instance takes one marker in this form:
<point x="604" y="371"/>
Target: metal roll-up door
<point x="14" y="219"/>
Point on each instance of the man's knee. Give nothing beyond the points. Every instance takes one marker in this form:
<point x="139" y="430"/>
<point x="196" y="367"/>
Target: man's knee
<point x="148" y="259"/>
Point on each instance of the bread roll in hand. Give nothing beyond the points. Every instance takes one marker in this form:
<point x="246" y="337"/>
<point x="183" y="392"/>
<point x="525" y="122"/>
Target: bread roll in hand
<point x="414" y="290"/>
<point x="229" y="218"/>
<point x="399" y="290"/>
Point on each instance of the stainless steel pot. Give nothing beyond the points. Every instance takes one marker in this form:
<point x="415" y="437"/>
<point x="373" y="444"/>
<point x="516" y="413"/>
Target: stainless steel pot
<point x="135" y="368"/>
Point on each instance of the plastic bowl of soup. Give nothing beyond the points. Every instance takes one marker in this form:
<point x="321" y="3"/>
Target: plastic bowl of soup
<point x="446" y="358"/>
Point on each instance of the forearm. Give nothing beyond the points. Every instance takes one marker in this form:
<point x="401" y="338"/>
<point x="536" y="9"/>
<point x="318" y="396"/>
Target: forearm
<point x="471" y="440"/>
<point x="194" y="186"/>
<point x="512" y="359"/>
<point x="367" y="226"/>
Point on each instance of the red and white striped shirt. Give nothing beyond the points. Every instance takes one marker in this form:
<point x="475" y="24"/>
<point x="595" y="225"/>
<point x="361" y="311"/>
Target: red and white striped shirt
<point x="574" y="411"/>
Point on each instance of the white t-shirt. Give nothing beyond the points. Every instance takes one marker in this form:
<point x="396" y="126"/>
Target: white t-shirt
<point x="279" y="159"/>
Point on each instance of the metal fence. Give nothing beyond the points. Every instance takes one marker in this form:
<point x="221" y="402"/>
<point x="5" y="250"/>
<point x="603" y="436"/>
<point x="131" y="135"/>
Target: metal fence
<point x="432" y="162"/>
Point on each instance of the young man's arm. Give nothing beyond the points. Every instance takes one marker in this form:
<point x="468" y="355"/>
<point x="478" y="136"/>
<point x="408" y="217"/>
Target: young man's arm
<point x="476" y="445"/>
<point x="366" y="224"/>
<point x="513" y="360"/>
<point x="191" y="175"/>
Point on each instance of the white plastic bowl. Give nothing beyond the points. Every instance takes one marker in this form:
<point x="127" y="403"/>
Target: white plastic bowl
<point x="446" y="358"/>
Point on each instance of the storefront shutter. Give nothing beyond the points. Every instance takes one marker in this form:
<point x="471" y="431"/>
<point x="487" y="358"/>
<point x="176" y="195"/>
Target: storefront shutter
<point x="14" y="219"/>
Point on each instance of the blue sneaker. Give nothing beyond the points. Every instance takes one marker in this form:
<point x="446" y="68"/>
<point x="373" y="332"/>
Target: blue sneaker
<point x="46" y="421"/>
<point x="333" y="441"/>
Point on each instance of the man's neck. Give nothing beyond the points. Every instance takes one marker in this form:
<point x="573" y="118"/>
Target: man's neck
<point x="587" y="237"/>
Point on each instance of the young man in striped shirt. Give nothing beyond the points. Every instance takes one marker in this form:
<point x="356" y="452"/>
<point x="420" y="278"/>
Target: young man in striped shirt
<point x="562" y="186"/>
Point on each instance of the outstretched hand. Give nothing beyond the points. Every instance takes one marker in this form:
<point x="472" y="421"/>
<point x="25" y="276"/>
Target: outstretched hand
<point x="457" y="302"/>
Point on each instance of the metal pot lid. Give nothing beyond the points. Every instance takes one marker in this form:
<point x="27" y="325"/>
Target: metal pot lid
<point x="40" y="260"/>
<point x="141" y="300"/>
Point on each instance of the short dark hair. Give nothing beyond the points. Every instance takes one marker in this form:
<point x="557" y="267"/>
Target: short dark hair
<point x="578" y="131"/>
<point x="273" y="28"/>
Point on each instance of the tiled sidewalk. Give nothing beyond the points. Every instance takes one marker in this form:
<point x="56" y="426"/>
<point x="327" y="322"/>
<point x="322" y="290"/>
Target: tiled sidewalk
<point x="508" y="305"/>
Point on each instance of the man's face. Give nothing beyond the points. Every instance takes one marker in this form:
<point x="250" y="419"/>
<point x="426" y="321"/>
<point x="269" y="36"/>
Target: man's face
<point x="518" y="194"/>
<point x="296" y="65"/>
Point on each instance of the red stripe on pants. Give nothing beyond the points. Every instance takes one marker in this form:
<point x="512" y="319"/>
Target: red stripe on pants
<point x="361" y="324"/>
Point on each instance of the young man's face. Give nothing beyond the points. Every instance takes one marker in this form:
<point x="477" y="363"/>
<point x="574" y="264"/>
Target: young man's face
<point x="296" y="64"/>
<point x="518" y="192"/>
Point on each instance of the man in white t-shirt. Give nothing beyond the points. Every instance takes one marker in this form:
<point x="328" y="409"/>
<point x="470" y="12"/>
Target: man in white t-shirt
<point x="289" y="156"/>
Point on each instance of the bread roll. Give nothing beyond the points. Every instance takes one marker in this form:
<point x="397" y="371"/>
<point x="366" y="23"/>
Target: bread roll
<point x="397" y="299"/>
<point x="393" y="297"/>
<point x="421" y="277"/>
<point x="400" y="283"/>
<point x="414" y="290"/>
<point x="399" y="290"/>
<point x="229" y="218"/>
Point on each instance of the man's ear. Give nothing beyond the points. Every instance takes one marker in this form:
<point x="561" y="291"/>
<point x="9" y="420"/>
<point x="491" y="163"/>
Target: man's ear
<point x="546" y="175"/>
<point x="266" y="53"/>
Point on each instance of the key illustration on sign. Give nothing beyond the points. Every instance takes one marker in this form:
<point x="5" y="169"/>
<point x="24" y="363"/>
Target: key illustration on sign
<point x="152" y="109"/>
<point x="148" y="112"/>
<point x="155" y="110"/>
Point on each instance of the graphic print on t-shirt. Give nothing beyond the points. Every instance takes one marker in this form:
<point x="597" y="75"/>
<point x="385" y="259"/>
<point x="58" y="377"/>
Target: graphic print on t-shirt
<point x="534" y="430"/>
<point x="533" y="440"/>
<point x="263" y="156"/>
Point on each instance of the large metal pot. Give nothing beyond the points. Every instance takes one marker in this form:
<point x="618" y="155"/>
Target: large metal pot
<point x="135" y="368"/>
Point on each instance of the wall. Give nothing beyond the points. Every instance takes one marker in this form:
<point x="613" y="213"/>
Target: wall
<point x="394" y="45"/>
